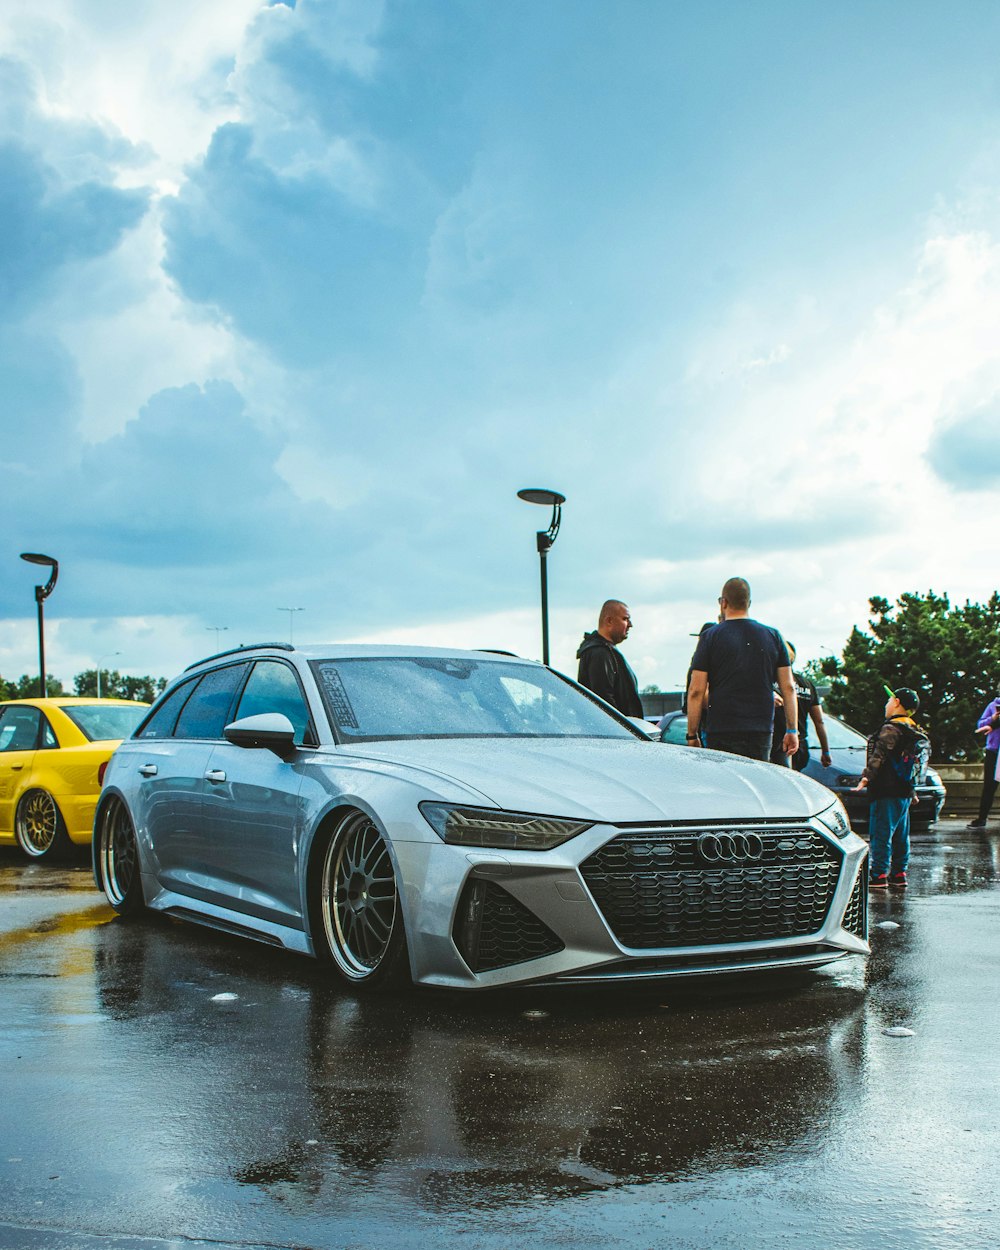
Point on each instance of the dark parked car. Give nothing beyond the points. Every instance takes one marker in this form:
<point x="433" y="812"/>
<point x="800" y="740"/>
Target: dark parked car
<point x="847" y="759"/>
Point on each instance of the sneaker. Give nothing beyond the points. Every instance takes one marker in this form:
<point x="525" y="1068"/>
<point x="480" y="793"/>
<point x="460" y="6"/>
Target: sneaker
<point x="979" y="825"/>
<point x="898" y="880"/>
<point x="878" y="880"/>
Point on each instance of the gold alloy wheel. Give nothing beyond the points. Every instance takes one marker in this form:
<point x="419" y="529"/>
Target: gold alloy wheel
<point x="359" y="898"/>
<point x="37" y="825"/>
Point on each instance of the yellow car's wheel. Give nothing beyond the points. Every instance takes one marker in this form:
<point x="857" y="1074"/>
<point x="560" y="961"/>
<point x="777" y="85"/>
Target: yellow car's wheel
<point x="39" y="827"/>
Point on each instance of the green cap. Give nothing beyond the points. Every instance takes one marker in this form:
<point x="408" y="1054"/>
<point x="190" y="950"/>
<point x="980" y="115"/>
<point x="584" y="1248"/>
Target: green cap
<point x="889" y="691"/>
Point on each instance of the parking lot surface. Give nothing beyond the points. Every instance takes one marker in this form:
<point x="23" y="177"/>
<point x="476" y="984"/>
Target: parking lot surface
<point x="165" y="1085"/>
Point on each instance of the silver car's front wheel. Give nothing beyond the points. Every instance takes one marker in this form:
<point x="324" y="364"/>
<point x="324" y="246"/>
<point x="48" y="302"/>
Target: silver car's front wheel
<point x="39" y="827"/>
<point x="359" y="909"/>
<point x="116" y="854"/>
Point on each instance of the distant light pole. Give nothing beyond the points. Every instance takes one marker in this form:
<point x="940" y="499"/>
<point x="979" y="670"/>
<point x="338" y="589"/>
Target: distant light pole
<point x="219" y="629"/>
<point x="103" y="657"/>
<point x="41" y="594"/>
<point x="544" y="540"/>
<point x="291" y="617"/>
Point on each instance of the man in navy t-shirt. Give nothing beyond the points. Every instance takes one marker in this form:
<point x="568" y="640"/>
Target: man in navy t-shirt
<point x="734" y="668"/>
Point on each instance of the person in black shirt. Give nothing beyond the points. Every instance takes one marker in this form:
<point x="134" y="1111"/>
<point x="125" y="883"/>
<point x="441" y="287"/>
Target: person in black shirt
<point x="810" y="707"/>
<point x="734" y="668"/>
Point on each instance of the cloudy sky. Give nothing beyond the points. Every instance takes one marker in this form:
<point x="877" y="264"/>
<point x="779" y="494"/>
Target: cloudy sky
<point x="295" y="297"/>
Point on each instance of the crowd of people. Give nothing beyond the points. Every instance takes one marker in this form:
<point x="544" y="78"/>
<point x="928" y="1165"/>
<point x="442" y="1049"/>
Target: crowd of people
<point x="744" y="697"/>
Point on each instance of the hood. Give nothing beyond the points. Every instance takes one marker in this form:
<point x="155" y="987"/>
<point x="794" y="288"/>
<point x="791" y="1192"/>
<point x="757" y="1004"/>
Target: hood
<point x="590" y="641"/>
<point x="604" y="780"/>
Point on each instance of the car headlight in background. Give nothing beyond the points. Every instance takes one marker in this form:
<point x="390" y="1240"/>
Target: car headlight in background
<point x="835" y="819"/>
<point x="487" y="826"/>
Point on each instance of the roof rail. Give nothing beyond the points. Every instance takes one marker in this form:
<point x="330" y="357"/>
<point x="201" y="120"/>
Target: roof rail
<point x="244" y="646"/>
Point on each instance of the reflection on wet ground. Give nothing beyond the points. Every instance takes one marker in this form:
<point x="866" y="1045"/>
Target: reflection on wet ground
<point x="168" y="1082"/>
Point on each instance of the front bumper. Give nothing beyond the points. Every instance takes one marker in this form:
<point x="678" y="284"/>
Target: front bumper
<point x="635" y="903"/>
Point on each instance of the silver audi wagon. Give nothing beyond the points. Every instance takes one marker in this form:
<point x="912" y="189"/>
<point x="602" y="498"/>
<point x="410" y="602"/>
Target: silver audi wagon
<point x="465" y="819"/>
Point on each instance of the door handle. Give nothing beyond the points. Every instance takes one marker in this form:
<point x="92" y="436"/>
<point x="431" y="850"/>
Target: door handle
<point x="215" y="775"/>
<point x="148" y="770"/>
<point x="16" y="768"/>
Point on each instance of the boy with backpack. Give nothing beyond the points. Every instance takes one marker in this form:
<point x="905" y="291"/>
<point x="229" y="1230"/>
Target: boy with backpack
<point x="896" y="763"/>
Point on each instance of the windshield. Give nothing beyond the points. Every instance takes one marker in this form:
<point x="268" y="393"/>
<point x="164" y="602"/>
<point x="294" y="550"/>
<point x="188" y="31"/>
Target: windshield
<point x="841" y="735"/>
<point x="106" y="722"/>
<point x="456" y="697"/>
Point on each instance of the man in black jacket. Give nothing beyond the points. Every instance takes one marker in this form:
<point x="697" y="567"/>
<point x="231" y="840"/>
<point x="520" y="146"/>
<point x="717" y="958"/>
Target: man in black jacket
<point x="603" y="668"/>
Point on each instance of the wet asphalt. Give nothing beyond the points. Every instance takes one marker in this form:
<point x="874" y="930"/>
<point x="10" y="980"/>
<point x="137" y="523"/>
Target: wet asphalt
<point x="167" y="1086"/>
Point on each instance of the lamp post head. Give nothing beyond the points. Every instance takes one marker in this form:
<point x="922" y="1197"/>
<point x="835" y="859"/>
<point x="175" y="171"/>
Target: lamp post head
<point x="34" y="557"/>
<point x="533" y="494"/>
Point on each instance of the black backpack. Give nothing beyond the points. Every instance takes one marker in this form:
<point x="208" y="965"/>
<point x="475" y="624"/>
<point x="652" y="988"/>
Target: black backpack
<point x="909" y="761"/>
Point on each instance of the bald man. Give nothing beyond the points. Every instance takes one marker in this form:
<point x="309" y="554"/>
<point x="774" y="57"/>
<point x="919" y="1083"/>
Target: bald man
<point x="603" y="668"/>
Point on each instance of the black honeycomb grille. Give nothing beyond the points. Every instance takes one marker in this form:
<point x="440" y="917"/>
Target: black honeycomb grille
<point x="856" y="916"/>
<point x="658" y="889"/>
<point x="493" y="930"/>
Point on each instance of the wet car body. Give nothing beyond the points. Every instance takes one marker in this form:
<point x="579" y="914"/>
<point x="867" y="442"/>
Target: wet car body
<point x="847" y="760"/>
<point x="469" y="820"/>
<point x="51" y="755"/>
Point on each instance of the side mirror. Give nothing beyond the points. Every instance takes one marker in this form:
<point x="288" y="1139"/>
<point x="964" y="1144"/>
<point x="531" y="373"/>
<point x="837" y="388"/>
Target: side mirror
<point x="271" y="731"/>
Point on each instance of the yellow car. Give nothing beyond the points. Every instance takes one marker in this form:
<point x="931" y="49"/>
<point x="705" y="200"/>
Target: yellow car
<point x="53" y="753"/>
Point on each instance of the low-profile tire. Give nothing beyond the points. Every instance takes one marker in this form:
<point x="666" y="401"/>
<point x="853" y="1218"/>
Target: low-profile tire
<point x="39" y="828"/>
<point x="357" y="914"/>
<point x="116" y="858"/>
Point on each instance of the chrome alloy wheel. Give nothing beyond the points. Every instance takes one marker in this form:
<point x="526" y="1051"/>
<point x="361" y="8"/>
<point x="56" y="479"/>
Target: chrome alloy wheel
<point x="358" y="898"/>
<point x="37" y="823"/>
<point x="118" y="858"/>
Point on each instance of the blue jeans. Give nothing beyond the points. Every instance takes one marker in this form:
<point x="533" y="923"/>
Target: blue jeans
<point x="889" y="835"/>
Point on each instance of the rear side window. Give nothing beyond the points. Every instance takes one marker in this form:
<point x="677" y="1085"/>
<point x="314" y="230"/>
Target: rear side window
<point x="19" y="728"/>
<point x="206" y="712"/>
<point x="273" y="687"/>
<point x="104" y="722"/>
<point x="164" y="715"/>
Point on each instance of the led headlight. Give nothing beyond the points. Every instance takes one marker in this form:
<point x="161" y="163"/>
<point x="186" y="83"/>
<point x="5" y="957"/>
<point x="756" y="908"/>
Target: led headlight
<point x="488" y="826"/>
<point x="836" y="819"/>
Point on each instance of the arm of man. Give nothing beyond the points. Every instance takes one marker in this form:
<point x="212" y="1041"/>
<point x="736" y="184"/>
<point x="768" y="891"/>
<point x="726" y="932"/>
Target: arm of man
<point x="599" y="674"/>
<point x="885" y="743"/>
<point x="697" y="692"/>
<point x="989" y="718"/>
<point x="816" y="715"/>
<point x="786" y="688"/>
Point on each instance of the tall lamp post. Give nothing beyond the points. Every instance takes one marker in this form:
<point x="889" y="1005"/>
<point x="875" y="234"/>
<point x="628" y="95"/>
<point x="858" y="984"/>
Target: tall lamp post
<point x="291" y="617"/>
<point x="41" y="594"/>
<point x="544" y="540"/>
<point x="103" y="657"/>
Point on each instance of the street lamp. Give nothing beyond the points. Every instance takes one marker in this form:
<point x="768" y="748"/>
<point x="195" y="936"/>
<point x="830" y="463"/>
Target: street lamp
<point x="544" y="540"/>
<point x="41" y="594"/>
<point x="291" y="617"/>
<point x="103" y="657"/>
<point x="219" y="629"/>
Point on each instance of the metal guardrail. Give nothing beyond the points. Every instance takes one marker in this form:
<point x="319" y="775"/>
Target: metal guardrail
<point x="964" y="784"/>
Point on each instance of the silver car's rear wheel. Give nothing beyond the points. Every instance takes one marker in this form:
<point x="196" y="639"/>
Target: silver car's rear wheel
<point x="116" y="855"/>
<point x="359" y="909"/>
<point x="39" y="827"/>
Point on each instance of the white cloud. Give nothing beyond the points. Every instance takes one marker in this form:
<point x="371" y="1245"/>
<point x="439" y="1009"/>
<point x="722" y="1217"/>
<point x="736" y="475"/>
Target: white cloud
<point x="155" y="72"/>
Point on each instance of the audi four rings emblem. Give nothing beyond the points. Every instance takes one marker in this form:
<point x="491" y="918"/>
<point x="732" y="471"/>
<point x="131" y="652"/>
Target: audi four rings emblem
<point x="738" y="848"/>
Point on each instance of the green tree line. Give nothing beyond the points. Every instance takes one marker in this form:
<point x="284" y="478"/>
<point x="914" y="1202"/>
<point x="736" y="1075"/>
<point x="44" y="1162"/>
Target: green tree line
<point x="949" y="655"/>
<point x="114" y="685"/>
